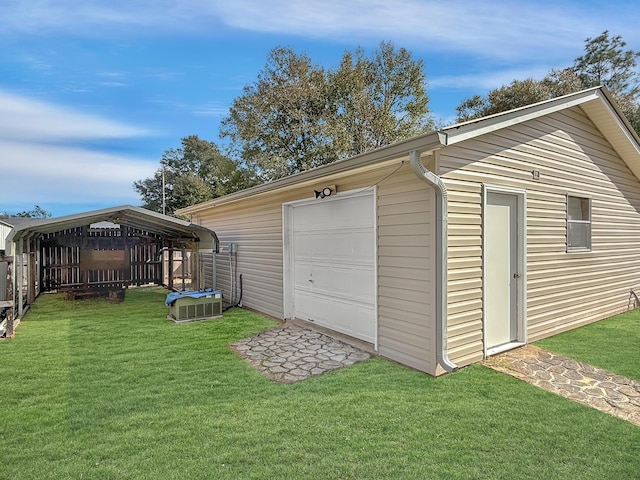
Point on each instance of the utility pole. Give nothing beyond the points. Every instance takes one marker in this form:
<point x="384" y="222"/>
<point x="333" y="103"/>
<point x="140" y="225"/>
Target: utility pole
<point x="164" y="198"/>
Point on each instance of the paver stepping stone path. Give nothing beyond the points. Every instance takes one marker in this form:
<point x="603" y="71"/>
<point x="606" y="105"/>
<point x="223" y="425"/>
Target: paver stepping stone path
<point x="290" y="353"/>
<point x="584" y="383"/>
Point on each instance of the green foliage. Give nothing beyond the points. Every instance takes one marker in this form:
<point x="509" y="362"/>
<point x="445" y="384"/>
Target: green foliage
<point x="297" y="115"/>
<point x="194" y="173"/>
<point x="36" y="212"/>
<point x="294" y="117"/>
<point x="517" y="93"/>
<point x="378" y="100"/>
<point x="277" y="123"/>
<point x="605" y="62"/>
<point x="98" y="390"/>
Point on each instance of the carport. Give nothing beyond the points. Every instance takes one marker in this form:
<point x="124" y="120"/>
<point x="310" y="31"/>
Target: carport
<point x="105" y="250"/>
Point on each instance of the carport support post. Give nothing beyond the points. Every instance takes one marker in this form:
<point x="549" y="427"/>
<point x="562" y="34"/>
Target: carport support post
<point x="196" y="282"/>
<point x="183" y="254"/>
<point x="170" y="267"/>
<point x="39" y="265"/>
<point x="19" y="273"/>
<point x="31" y="297"/>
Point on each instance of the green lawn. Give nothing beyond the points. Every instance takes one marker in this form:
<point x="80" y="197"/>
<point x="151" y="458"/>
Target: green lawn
<point x="93" y="390"/>
<point x="612" y="344"/>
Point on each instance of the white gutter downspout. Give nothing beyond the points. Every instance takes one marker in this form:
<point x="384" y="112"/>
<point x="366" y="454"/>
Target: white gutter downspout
<point x="441" y="258"/>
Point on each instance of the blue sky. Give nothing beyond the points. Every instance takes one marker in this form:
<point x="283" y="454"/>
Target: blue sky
<point x="92" y="92"/>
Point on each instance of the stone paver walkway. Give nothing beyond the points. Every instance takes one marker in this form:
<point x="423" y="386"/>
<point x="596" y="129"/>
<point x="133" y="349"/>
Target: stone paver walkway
<point x="597" y="388"/>
<point x="290" y="353"/>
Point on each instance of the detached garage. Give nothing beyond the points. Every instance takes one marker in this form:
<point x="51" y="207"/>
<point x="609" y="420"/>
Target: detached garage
<point x="449" y="247"/>
<point x="331" y="263"/>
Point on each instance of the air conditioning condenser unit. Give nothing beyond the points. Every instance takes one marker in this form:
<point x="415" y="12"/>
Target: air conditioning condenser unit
<point x="191" y="306"/>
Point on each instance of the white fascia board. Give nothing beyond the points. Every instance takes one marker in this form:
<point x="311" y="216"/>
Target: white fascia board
<point x="466" y="131"/>
<point x="422" y="143"/>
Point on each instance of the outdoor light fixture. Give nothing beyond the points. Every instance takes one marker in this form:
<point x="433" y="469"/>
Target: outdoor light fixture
<point x="324" y="192"/>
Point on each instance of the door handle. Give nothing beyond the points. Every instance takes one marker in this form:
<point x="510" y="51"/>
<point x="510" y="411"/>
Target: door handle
<point x="516" y="275"/>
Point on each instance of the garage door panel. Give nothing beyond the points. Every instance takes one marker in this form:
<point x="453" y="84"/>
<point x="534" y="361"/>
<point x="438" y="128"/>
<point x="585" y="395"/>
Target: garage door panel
<point x="342" y="282"/>
<point x="333" y="255"/>
<point x="302" y="274"/>
<point x="332" y="215"/>
<point x="356" y="319"/>
<point x="335" y="245"/>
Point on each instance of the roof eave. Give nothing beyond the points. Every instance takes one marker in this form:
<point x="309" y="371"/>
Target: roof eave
<point x="623" y="139"/>
<point x="425" y="142"/>
<point x="165" y="225"/>
<point x="474" y="128"/>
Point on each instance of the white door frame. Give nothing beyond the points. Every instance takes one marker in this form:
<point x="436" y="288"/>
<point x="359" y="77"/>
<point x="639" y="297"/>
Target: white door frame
<point x="287" y="251"/>
<point x="521" y="261"/>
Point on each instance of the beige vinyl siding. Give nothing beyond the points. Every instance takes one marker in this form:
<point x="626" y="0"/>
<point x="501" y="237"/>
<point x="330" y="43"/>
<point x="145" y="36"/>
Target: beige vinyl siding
<point x="4" y="231"/>
<point x="564" y="289"/>
<point x="207" y="270"/>
<point x="464" y="272"/>
<point x="404" y="244"/>
<point x="256" y="228"/>
<point x="405" y="271"/>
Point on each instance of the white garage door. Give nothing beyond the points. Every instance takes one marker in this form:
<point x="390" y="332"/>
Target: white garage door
<point x="333" y="264"/>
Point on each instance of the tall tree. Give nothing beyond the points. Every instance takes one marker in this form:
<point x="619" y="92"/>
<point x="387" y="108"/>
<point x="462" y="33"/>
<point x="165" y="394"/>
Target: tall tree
<point x="277" y="123"/>
<point x="378" y="100"/>
<point x="194" y="173"/>
<point x="297" y="115"/>
<point x="605" y="62"/>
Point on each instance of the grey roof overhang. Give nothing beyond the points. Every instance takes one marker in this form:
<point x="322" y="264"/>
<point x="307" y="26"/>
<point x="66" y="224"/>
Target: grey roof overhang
<point x="136" y="217"/>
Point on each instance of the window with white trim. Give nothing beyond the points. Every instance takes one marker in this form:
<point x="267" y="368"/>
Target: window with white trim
<point x="578" y="223"/>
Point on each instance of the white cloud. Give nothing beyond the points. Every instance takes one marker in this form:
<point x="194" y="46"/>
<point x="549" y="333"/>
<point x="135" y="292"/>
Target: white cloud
<point x="112" y="84"/>
<point x="40" y="155"/>
<point x="23" y="118"/>
<point x="211" y="109"/>
<point x="503" y="29"/>
<point x="498" y="28"/>
<point x="488" y="80"/>
<point x="205" y="109"/>
<point x="50" y="173"/>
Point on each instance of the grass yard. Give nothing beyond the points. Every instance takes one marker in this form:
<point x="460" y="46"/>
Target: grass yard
<point x="101" y="391"/>
<point x="612" y="344"/>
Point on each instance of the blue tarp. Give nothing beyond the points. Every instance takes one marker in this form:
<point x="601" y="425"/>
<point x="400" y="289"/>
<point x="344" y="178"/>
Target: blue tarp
<point x="173" y="296"/>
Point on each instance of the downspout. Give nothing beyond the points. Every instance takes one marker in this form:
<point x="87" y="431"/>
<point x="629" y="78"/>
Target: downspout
<point x="441" y="257"/>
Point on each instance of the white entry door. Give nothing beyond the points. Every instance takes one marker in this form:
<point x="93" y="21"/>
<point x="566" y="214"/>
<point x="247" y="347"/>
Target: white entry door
<point x="333" y="264"/>
<point x="502" y="276"/>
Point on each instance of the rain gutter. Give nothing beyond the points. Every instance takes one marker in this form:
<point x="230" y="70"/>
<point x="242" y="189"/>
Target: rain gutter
<point x="438" y="185"/>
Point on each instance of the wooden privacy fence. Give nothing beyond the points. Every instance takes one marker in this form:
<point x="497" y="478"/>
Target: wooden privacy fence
<point x="99" y="258"/>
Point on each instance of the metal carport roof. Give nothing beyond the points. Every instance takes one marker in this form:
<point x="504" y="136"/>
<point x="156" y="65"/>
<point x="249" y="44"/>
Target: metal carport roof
<point x="136" y="217"/>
